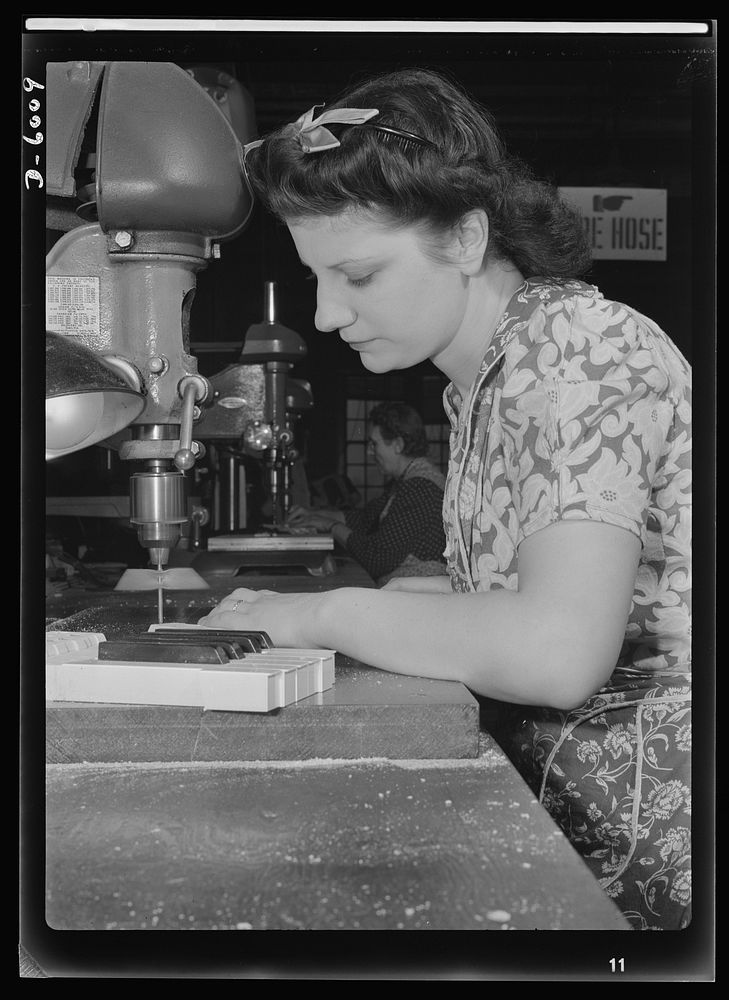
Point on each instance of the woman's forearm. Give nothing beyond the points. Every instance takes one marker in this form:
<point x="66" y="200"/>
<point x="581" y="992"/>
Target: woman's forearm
<point x="340" y="533"/>
<point x="502" y="644"/>
<point x="554" y="641"/>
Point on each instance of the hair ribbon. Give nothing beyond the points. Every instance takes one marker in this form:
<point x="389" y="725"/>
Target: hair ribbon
<point x="313" y="137"/>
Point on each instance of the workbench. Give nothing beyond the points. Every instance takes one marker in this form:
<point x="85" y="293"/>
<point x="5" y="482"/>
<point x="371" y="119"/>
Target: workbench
<point x="367" y="713"/>
<point x="167" y="839"/>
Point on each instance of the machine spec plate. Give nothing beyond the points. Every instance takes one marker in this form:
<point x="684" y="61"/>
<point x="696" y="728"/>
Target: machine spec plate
<point x="72" y="304"/>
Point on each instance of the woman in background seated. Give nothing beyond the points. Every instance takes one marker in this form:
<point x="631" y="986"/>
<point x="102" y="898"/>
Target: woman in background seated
<point x="399" y="533"/>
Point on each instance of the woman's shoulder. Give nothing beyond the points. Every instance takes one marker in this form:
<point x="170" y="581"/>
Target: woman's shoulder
<point x="539" y="310"/>
<point x="540" y="304"/>
<point x="563" y="323"/>
<point x="421" y="473"/>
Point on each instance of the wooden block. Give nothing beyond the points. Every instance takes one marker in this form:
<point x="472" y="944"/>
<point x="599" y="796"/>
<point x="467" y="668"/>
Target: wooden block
<point x="124" y="683"/>
<point x="78" y="732"/>
<point x="231" y="687"/>
<point x="325" y="660"/>
<point x="240" y="690"/>
<point x="301" y="669"/>
<point x="304" y="681"/>
<point x="306" y="670"/>
<point x="262" y="640"/>
<point x="268" y="543"/>
<point x="286" y="675"/>
<point x="318" y="679"/>
<point x="258" y="683"/>
<point x="71" y="645"/>
<point x="122" y="650"/>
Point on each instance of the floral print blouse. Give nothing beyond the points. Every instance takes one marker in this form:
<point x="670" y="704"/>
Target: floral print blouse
<point x="581" y="410"/>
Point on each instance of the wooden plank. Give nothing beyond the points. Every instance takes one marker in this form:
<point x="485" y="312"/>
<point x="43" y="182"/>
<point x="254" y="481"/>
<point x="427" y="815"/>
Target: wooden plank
<point x="129" y="683"/>
<point x="262" y="685"/>
<point x="322" y="846"/>
<point x="77" y="733"/>
<point x="270" y="542"/>
<point x="368" y="713"/>
<point x="251" y="690"/>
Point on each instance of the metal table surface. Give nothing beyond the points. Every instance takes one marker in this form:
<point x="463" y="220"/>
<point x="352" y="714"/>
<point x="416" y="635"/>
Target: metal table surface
<point x="311" y="845"/>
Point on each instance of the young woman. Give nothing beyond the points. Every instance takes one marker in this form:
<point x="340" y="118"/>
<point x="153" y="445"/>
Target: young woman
<point x="400" y="532"/>
<point x="568" y="498"/>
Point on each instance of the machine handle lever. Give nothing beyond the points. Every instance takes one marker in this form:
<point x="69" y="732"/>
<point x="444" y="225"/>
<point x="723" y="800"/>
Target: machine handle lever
<point x="192" y="389"/>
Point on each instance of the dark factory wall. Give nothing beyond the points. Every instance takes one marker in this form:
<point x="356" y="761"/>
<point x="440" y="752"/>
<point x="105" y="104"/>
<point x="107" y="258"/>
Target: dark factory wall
<point x="583" y="110"/>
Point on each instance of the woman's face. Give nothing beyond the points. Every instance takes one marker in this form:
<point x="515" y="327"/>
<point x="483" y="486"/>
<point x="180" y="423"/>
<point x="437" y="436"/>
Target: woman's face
<point x="387" y="454"/>
<point x="389" y="301"/>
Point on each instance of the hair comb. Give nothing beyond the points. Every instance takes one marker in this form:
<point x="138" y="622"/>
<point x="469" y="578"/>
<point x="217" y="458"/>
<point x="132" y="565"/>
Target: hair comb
<point x="405" y="140"/>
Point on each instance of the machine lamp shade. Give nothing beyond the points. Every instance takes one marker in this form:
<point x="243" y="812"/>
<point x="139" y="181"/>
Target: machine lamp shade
<point x="87" y="401"/>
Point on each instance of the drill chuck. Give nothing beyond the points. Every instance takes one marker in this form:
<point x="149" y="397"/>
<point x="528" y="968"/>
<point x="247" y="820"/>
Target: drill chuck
<point x="158" y="509"/>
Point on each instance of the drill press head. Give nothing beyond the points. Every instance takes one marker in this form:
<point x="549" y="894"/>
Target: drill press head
<point x="166" y="188"/>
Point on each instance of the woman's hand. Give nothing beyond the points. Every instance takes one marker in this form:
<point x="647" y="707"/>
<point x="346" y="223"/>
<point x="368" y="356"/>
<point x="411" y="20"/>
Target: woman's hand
<point x="289" y="619"/>
<point x="297" y="514"/>
<point x="313" y="518"/>
<point x="420" y="584"/>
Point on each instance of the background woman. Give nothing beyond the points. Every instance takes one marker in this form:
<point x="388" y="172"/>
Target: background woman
<point x="400" y="532"/>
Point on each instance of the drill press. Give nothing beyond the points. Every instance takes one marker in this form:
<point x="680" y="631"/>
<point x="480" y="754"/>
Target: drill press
<point x="165" y="188"/>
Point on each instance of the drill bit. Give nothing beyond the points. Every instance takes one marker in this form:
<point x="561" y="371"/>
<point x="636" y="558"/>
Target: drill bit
<point x="160" y="601"/>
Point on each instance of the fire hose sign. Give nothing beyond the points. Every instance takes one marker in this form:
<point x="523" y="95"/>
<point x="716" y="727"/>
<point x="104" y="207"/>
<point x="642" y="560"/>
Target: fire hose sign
<point x="622" y="223"/>
<point x="72" y="304"/>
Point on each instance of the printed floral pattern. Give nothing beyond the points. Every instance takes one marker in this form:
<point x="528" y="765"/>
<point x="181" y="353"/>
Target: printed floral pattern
<point x="615" y="775"/>
<point x="582" y="410"/>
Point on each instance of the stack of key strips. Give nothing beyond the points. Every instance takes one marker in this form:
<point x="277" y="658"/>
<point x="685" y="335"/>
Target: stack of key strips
<point x="184" y="665"/>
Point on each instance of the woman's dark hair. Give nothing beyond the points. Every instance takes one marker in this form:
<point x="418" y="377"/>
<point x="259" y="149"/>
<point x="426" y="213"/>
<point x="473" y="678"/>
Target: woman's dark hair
<point x="468" y="168"/>
<point x="400" y="420"/>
